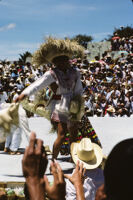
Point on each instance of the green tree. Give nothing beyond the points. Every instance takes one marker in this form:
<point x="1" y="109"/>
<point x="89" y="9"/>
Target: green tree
<point x="126" y="32"/>
<point x="23" y="57"/>
<point x="82" y="39"/>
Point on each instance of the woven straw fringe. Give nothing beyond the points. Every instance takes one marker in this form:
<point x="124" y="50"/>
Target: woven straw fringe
<point x="56" y="47"/>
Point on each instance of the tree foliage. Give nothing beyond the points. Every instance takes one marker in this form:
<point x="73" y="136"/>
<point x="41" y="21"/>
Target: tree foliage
<point x="123" y="32"/>
<point x="23" y="57"/>
<point x="82" y="39"/>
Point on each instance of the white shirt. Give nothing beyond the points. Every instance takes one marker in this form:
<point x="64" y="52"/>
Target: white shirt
<point x="93" y="181"/>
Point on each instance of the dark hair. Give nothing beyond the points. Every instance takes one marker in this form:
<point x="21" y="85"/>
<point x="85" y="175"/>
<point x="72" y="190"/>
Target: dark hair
<point x="63" y="57"/>
<point x="118" y="171"/>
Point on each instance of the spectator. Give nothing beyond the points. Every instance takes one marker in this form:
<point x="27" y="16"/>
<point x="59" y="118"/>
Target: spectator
<point x="118" y="173"/>
<point x="91" y="156"/>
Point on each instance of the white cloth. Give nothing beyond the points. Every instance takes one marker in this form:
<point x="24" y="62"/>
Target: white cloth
<point x="93" y="181"/>
<point x="89" y="190"/>
<point x="14" y="139"/>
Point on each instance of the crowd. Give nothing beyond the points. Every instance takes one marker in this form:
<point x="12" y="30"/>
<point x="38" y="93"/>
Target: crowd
<point x="108" y="85"/>
<point x="107" y="82"/>
<point x="122" y="43"/>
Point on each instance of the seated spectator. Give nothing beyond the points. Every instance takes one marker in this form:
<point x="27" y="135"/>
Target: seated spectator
<point x="118" y="173"/>
<point x="110" y="111"/>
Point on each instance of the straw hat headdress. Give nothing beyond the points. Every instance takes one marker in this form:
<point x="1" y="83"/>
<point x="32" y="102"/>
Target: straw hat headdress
<point x="53" y="48"/>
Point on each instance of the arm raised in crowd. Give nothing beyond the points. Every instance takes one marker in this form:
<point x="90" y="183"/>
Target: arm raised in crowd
<point x="34" y="164"/>
<point x="58" y="190"/>
<point x="77" y="180"/>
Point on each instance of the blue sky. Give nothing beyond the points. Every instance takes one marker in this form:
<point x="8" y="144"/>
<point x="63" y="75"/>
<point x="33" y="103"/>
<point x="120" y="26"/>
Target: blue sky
<point x="25" y="23"/>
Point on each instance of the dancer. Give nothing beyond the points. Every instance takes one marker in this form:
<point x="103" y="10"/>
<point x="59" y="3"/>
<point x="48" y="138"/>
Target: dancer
<point x="66" y="103"/>
<point x="13" y="122"/>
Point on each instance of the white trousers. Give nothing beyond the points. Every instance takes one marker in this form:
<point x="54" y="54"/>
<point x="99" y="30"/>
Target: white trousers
<point x="14" y="139"/>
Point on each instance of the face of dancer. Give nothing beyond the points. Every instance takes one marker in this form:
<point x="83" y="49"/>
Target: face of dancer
<point x="62" y="62"/>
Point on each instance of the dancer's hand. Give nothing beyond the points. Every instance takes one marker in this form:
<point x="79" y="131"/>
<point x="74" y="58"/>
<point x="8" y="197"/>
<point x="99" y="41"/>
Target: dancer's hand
<point x="20" y="98"/>
<point x="58" y="190"/>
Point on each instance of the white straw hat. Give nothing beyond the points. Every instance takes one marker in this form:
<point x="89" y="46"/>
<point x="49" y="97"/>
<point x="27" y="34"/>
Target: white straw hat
<point x="90" y="154"/>
<point x="111" y="109"/>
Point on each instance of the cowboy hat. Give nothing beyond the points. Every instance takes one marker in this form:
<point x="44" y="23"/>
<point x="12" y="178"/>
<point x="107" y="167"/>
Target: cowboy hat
<point x="111" y="109"/>
<point x="90" y="154"/>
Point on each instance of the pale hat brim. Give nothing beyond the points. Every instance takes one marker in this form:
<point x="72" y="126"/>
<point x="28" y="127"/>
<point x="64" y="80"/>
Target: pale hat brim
<point x="90" y="164"/>
<point x="111" y="109"/>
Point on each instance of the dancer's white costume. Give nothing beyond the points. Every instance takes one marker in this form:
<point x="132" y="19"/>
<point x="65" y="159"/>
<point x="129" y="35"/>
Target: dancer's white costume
<point x="69" y="86"/>
<point x="13" y="136"/>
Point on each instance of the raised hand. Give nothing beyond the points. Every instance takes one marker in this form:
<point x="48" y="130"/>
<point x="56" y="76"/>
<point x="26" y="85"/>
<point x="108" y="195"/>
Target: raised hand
<point x="34" y="165"/>
<point x="58" y="190"/>
<point x="34" y="160"/>
<point x="78" y="175"/>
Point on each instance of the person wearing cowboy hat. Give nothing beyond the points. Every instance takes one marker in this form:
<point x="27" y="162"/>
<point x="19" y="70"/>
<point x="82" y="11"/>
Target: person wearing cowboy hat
<point x="110" y="111"/>
<point x="91" y="156"/>
<point x="64" y="81"/>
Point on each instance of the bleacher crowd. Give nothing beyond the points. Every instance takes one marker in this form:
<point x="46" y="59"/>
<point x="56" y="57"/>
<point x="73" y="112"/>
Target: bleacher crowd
<point x="107" y="82"/>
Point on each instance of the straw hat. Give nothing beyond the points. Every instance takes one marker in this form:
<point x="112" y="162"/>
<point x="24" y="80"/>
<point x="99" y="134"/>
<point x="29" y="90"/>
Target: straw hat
<point x="90" y="154"/>
<point x="53" y="48"/>
<point x="111" y="109"/>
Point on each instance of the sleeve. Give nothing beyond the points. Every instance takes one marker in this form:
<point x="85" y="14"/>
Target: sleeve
<point x="78" y="87"/>
<point x="70" y="191"/>
<point x="89" y="190"/>
<point x="39" y="84"/>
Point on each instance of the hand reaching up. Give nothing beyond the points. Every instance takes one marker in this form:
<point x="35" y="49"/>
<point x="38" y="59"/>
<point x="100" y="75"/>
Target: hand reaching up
<point x="78" y="175"/>
<point x="34" y="165"/>
<point x="77" y="179"/>
<point x="58" y="190"/>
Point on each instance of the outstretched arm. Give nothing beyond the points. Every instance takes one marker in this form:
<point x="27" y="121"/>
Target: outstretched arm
<point x="36" y="86"/>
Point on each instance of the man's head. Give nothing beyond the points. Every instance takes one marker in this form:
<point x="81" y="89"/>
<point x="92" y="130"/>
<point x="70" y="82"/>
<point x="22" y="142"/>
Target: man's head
<point x="118" y="171"/>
